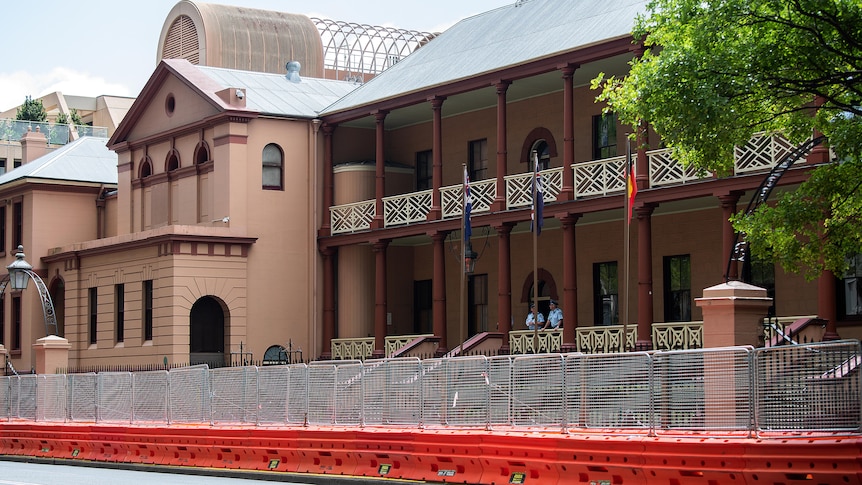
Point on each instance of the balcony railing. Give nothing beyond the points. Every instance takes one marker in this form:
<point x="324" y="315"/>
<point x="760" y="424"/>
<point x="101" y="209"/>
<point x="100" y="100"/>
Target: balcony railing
<point x="591" y="179"/>
<point x="362" y="348"/>
<point x="608" y="338"/>
<point x="57" y="133"/>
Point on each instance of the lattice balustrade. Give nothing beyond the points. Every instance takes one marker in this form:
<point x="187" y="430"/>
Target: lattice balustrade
<point x="406" y="208"/>
<point x="762" y="152"/>
<point x="600" y="178"/>
<point x="665" y="170"/>
<point x="393" y="343"/>
<point x="482" y="192"/>
<point x="527" y="341"/>
<point x="604" y="339"/>
<point x="352" y="348"/>
<point x="677" y="336"/>
<point x="352" y="217"/>
<point x="519" y="187"/>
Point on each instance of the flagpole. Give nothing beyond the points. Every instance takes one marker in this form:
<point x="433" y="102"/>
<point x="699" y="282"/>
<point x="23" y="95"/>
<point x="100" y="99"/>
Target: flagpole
<point x="535" y="230"/>
<point x="626" y="252"/>
<point x="461" y="306"/>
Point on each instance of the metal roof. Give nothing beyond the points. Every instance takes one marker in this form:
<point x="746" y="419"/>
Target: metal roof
<point x="274" y="94"/>
<point x="86" y="159"/>
<point x="504" y="37"/>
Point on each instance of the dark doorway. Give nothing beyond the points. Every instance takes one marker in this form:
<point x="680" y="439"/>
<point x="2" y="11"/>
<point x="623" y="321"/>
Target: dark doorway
<point x="206" y="339"/>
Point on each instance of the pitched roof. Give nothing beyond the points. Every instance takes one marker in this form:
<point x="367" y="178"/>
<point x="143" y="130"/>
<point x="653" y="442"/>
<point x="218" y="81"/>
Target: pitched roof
<point x="86" y="159"/>
<point x="508" y="36"/>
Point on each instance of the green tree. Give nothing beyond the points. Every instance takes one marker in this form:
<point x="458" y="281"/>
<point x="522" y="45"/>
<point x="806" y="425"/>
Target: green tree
<point x="715" y="72"/>
<point x="73" y="118"/>
<point x="32" y="110"/>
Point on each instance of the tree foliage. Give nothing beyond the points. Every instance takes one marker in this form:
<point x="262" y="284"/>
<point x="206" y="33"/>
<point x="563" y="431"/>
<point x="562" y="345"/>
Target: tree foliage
<point x="715" y="72"/>
<point x="32" y="110"/>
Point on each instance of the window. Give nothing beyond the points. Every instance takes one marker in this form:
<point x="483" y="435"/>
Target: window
<point x="2" y="321"/>
<point x="423" y="310"/>
<point x="424" y="167"/>
<point x="2" y="166"/>
<point x="18" y="223"/>
<point x="542" y="150"/>
<point x="148" y="309"/>
<point x="16" y="163"/>
<point x="94" y="312"/>
<point x="119" y="311"/>
<point x="677" y="288"/>
<point x="273" y="164"/>
<point x="477" y="302"/>
<point x="604" y="136"/>
<point x="478" y="159"/>
<point x="850" y="291"/>
<point x="173" y="162"/>
<point x="2" y="229"/>
<point x="606" y="293"/>
<point x="16" y="323"/>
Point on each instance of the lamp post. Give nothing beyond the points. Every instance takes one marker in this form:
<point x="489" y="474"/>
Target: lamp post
<point x="20" y="273"/>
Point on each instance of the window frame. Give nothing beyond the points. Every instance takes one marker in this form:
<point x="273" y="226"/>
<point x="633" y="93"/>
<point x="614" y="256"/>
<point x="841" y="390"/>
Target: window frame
<point x="677" y="298"/>
<point x="119" y="313"/>
<point x="93" y="314"/>
<point x="424" y="170"/>
<point x="272" y="166"/>
<point x="601" y="271"/>
<point x="477" y="151"/>
<point x="604" y="136"/>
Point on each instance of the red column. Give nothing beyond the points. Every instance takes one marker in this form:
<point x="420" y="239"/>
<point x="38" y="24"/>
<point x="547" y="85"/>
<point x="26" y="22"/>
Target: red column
<point x="328" y="302"/>
<point x="567" y="192"/>
<point x="438" y="291"/>
<point x="380" y="177"/>
<point x="570" y="282"/>
<point x="645" y="293"/>
<point x="826" y="305"/>
<point x="326" y="227"/>
<point x="504" y="284"/>
<point x="728" y="208"/>
<point x="379" y="249"/>
<point x="499" y="203"/>
<point x="436" y="211"/>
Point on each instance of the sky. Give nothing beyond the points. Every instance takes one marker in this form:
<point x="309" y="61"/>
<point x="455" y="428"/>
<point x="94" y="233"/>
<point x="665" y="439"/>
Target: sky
<point x="108" y="47"/>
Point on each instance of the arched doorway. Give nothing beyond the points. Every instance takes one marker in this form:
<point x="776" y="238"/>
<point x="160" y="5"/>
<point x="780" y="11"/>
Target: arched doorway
<point x="207" y="328"/>
<point x="57" y="290"/>
<point x="547" y="291"/>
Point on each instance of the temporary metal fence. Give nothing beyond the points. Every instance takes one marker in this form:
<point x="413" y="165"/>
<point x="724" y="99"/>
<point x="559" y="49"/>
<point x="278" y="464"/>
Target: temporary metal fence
<point x="799" y="388"/>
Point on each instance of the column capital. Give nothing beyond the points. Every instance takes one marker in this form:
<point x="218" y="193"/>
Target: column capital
<point x="645" y="210"/>
<point x="569" y="69"/>
<point x="569" y="220"/>
<point x="380" y="115"/>
<point x="502" y="85"/>
<point x="503" y="227"/>
<point x="436" y="101"/>
<point x="730" y="198"/>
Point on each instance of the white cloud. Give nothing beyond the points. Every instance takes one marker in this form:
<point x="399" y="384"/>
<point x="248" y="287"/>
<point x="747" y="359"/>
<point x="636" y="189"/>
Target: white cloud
<point x="15" y="86"/>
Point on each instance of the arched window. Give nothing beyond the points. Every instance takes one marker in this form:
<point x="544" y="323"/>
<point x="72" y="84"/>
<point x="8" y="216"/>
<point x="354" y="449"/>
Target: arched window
<point x="542" y="149"/>
<point x="146" y="168"/>
<point x="173" y="162"/>
<point x="202" y="154"/>
<point x="273" y="167"/>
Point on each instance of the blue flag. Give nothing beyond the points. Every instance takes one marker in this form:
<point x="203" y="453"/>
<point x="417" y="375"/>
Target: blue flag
<point x="538" y="201"/>
<point x="468" y="207"/>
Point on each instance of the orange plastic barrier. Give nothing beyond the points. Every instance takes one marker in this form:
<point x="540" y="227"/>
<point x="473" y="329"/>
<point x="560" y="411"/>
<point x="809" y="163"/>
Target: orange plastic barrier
<point x="385" y="453"/>
<point x="814" y="460"/>
<point x="693" y="460"/>
<point x="327" y="451"/>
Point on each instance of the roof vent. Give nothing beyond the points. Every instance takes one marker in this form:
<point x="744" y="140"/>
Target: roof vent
<point x="293" y="68"/>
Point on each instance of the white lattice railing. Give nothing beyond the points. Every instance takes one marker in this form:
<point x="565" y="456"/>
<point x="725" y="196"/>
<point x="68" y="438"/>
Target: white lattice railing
<point x="352" y="348"/>
<point x="519" y="187"/>
<point x="600" y="177"/>
<point x="762" y="152"/>
<point x="482" y="192"/>
<point x="352" y="217"/>
<point x="604" y="339"/>
<point x="677" y="335"/>
<point x="396" y="342"/>
<point x="406" y="208"/>
<point x="527" y="341"/>
<point x="665" y="170"/>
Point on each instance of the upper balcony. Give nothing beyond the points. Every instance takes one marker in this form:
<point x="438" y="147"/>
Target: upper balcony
<point x="57" y="133"/>
<point x="591" y="179"/>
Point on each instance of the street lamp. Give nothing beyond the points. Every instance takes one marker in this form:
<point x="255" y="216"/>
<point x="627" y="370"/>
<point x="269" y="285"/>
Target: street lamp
<point x="470" y="258"/>
<point x="20" y="272"/>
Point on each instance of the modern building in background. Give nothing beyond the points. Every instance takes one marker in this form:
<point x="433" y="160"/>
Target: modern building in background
<point x="265" y="200"/>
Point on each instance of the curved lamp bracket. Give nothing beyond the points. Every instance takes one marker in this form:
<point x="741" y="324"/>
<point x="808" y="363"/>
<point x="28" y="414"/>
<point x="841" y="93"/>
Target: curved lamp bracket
<point x="44" y="296"/>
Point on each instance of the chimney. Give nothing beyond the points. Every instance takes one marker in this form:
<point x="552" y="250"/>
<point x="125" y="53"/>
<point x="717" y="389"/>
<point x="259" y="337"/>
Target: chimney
<point x="34" y="144"/>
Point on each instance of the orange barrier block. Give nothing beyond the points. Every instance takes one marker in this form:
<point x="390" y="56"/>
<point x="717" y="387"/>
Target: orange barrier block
<point x="327" y="452"/>
<point x="517" y="457"/>
<point x="384" y="453"/>
<point x="448" y="456"/>
<point x="815" y="460"/>
<point x="694" y="460"/>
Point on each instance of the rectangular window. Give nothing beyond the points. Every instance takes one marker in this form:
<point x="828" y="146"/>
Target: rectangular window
<point x="478" y="159"/>
<point x="93" y="309"/>
<point x="606" y="293"/>
<point x="120" y="311"/>
<point x="2" y="229"/>
<point x="18" y="222"/>
<point x="148" y="309"/>
<point x="850" y="290"/>
<point x="423" y="310"/>
<point x="604" y="136"/>
<point x="677" y="288"/>
<point x="16" y="163"/>
<point x="424" y="167"/>
<point x="477" y="302"/>
<point x="16" y="323"/>
<point x="2" y="166"/>
<point x="761" y="273"/>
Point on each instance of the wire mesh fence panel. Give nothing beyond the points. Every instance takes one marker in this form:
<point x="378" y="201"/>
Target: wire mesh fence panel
<point x="273" y="387"/>
<point x="5" y="397"/>
<point x="114" y="397"/>
<point x="403" y="392"/>
<point x="467" y="391"/>
<point x="81" y="394"/>
<point x="499" y="390"/>
<point x="298" y="394"/>
<point x="537" y="390"/>
<point x="810" y="387"/>
<point x="234" y="395"/>
<point x="51" y="397"/>
<point x="150" y="397"/>
<point x="24" y="395"/>
<point x="704" y="389"/>
<point x="434" y="389"/>
<point x="374" y="391"/>
<point x="190" y="395"/>
<point x="573" y="396"/>
<point x="321" y="396"/>
<point x="348" y="394"/>
<point x="616" y="390"/>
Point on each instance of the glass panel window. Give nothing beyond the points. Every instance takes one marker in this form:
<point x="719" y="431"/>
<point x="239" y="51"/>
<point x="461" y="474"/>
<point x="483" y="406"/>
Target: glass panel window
<point x="424" y="165"/>
<point x="120" y="311"/>
<point x="544" y="154"/>
<point x="850" y="291"/>
<point x="93" y="308"/>
<point x="2" y="166"/>
<point x="477" y="302"/>
<point x="16" y="323"/>
<point x="273" y="167"/>
<point x="604" y="136"/>
<point x="148" y="309"/>
<point x="606" y="293"/>
<point x="16" y="163"/>
<point x="478" y="159"/>
<point x="677" y="288"/>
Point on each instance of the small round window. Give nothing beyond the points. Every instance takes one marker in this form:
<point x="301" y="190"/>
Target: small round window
<point x="170" y="104"/>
